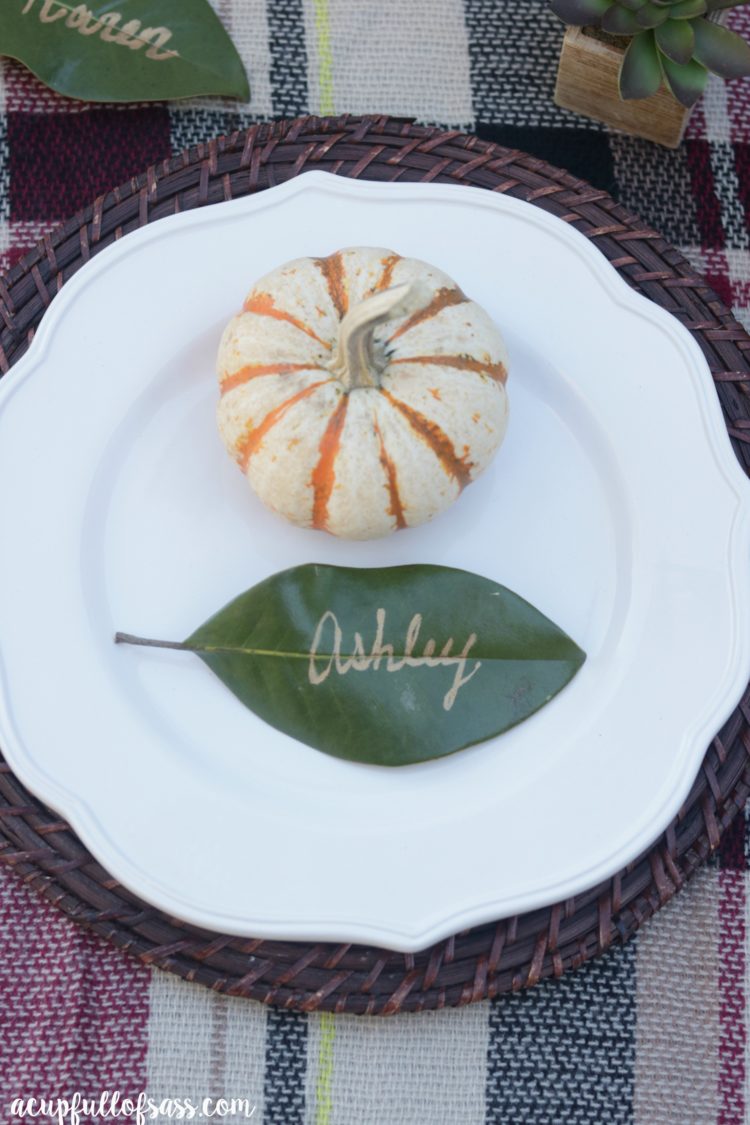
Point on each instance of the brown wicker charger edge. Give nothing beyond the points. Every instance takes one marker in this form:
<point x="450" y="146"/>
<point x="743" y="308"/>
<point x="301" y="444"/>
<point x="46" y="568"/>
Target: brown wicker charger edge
<point x="488" y="960"/>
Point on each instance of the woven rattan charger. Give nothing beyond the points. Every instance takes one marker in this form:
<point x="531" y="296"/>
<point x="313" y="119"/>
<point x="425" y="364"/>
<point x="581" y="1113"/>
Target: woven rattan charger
<point x="508" y="955"/>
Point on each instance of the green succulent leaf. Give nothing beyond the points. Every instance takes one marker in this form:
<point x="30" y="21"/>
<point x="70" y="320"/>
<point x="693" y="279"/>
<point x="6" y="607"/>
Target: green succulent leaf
<point x="580" y="13"/>
<point x="676" y="40"/>
<point x="389" y="666"/>
<point x="620" y="21"/>
<point x="632" y="5"/>
<point x="718" y="5"/>
<point x="651" y="16"/>
<point x="687" y="9"/>
<point x="720" y="50"/>
<point x="640" y="73"/>
<point x="146" y="50"/>
<point x="687" y="81"/>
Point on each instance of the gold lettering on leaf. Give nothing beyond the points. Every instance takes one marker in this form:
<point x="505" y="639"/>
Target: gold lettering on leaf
<point x="83" y="20"/>
<point x="359" y="660"/>
<point x="158" y="36"/>
<point x="48" y="15"/>
<point x="129" y="35"/>
<point x="111" y="21"/>
<point x="109" y="26"/>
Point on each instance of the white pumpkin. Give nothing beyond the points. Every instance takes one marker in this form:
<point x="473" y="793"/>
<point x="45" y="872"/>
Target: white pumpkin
<point x="361" y="392"/>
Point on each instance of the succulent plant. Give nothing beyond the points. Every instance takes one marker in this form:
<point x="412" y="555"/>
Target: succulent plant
<point x="671" y="41"/>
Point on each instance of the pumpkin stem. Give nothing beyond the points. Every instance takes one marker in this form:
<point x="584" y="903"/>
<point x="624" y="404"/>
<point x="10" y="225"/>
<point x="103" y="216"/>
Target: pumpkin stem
<point x="359" y="360"/>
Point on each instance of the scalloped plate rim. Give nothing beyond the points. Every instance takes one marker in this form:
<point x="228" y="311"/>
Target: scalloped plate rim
<point x="414" y="937"/>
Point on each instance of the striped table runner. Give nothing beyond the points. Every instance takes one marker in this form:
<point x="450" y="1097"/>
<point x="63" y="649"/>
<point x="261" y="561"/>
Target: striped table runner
<point x="653" y="1033"/>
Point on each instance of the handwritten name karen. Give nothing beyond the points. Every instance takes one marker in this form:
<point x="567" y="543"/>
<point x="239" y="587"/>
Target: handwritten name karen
<point x="326" y="655"/>
<point x="108" y="26"/>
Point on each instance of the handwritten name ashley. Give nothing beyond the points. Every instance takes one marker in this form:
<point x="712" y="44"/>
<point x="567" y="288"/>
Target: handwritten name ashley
<point x="360" y="660"/>
<point x="81" y="19"/>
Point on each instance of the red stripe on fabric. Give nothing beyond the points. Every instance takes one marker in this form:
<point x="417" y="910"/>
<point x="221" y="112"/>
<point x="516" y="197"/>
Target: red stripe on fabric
<point x="732" y="1028"/>
<point x="707" y="205"/>
<point x="732" y="288"/>
<point x="732" y="847"/>
<point x="93" y="153"/>
<point x="697" y="126"/>
<point x="722" y="285"/>
<point x="73" y="1010"/>
<point x="24" y="93"/>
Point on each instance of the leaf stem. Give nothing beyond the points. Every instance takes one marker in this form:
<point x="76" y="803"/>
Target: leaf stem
<point x="186" y="646"/>
<point x="130" y="639"/>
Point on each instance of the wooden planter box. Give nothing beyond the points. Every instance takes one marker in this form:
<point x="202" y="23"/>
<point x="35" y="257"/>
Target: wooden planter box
<point x="587" y="83"/>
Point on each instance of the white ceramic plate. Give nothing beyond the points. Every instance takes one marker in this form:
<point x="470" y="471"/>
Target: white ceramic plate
<point x="616" y="506"/>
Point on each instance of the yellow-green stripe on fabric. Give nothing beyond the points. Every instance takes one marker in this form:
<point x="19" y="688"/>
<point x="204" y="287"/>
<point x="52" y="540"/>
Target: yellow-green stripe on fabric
<point x="323" y="1091"/>
<point x="325" y="56"/>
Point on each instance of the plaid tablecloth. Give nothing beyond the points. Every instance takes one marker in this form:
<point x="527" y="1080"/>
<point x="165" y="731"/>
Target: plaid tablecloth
<point x="652" y="1033"/>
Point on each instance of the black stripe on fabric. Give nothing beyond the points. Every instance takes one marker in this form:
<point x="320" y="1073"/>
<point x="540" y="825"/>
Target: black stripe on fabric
<point x="585" y="154"/>
<point x="729" y="190"/>
<point x="514" y="47"/>
<point x="565" y="1050"/>
<point x="285" y="1067"/>
<point x="742" y="164"/>
<point x="654" y="182"/>
<point x="192" y="126"/>
<point x="286" y="39"/>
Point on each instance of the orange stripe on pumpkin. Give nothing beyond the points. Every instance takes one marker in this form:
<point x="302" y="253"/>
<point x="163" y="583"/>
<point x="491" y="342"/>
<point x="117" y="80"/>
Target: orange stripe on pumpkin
<point x="262" y="305"/>
<point x="389" y="264"/>
<point x="332" y="269"/>
<point x="496" y="371"/>
<point x="251" y="440"/>
<point x="443" y="299"/>
<point x="396" y="508"/>
<point x="254" y="371"/>
<point x="323" y="475"/>
<point x="439" y="442"/>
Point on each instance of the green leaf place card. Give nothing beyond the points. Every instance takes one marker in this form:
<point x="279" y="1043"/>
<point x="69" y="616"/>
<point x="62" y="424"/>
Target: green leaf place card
<point x="389" y="666"/>
<point x="123" y="50"/>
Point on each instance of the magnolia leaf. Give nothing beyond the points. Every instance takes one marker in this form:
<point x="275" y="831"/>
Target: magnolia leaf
<point x="122" y="51"/>
<point x="640" y="73"/>
<point x="676" y="40"/>
<point x="580" y="12"/>
<point x="720" y="50"/>
<point x="388" y="666"/>
<point x="686" y="81"/>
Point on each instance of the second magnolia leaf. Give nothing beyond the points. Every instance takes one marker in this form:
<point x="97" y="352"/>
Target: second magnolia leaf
<point x="127" y="51"/>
